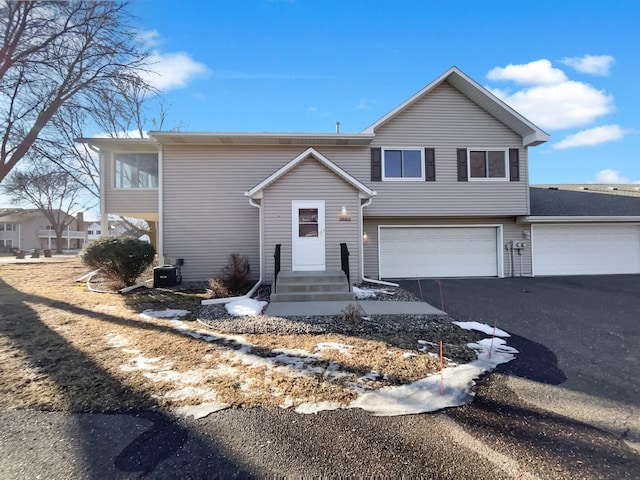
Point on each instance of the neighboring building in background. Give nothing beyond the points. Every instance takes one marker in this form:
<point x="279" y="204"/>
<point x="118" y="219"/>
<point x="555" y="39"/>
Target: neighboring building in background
<point x="28" y="229"/>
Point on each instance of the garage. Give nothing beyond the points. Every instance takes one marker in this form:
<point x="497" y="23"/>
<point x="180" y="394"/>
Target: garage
<point x="574" y="249"/>
<point x="421" y="251"/>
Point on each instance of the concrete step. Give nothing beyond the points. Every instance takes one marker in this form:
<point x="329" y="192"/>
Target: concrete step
<point x="312" y="287"/>
<point x="312" y="277"/>
<point x="312" y="297"/>
<point x="325" y="286"/>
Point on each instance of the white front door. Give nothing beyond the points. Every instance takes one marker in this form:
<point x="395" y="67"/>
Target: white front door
<point x="308" y="235"/>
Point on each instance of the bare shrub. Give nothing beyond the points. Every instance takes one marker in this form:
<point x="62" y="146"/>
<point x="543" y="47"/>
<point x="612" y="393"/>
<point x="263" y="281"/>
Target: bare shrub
<point x="235" y="274"/>
<point x="218" y="289"/>
<point x="351" y="314"/>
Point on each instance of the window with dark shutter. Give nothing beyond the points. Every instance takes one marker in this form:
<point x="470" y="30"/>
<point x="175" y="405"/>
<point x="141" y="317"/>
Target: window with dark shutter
<point x="376" y="164"/>
<point x="514" y="165"/>
<point x="430" y="164"/>
<point x="462" y="165"/>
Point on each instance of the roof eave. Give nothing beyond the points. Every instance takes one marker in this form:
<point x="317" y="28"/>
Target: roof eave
<point x="577" y="219"/>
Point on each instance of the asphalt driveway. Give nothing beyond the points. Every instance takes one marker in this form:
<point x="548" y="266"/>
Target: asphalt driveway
<point x="582" y="333"/>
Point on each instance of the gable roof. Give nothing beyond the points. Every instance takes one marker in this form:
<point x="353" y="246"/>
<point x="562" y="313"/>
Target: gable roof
<point x="531" y="134"/>
<point x="256" y="192"/>
<point x="551" y="202"/>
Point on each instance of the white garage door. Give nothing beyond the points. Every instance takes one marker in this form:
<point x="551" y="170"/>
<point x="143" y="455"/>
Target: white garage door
<point x="585" y="249"/>
<point x="407" y="252"/>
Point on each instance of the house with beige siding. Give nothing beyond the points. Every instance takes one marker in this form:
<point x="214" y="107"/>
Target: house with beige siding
<point x="29" y="229"/>
<point x="438" y="187"/>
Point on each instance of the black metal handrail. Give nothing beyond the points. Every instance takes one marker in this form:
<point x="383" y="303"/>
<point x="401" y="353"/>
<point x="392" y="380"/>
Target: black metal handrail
<point x="276" y="256"/>
<point x="344" y="262"/>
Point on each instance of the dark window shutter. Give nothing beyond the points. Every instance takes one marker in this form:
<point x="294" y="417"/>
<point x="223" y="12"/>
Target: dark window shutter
<point x="514" y="165"/>
<point x="462" y="165"/>
<point x="376" y="164"/>
<point x="430" y="164"/>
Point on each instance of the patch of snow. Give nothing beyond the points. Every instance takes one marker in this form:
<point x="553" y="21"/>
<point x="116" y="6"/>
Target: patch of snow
<point x="425" y="396"/>
<point x="362" y="293"/>
<point x="294" y="352"/>
<point x="144" y="363"/>
<point x="424" y="342"/>
<point x="202" y="410"/>
<point x="481" y="327"/>
<point x="371" y="376"/>
<point x="167" y="313"/>
<point x="245" y="307"/>
<point x="116" y="340"/>
<point x="315" y="407"/>
<point x="409" y="355"/>
<point x="341" y="347"/>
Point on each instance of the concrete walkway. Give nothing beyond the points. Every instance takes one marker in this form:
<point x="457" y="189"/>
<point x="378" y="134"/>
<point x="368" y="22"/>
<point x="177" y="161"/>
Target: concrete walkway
<point x="286" y="309"/>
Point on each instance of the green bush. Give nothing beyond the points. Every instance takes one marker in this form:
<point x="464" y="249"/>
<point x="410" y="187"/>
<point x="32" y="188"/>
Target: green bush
<point x="122" y="258"/>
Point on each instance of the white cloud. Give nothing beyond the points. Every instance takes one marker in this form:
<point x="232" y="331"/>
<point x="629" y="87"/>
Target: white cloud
<point x="167" y="71"/>
<point x="592" y="137"/>
<point x="149" y="38"/>
<point x="364" y="104"/>
<point x="568" y="104"/>
<point x="591" y="64"/>
<point x="612" y="176"/>
<point x="539" y="72"/>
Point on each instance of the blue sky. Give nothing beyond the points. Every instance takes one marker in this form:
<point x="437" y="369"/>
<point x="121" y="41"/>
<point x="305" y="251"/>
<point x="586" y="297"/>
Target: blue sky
<point x="301" y="65"/>
<point x="571" y="67"/>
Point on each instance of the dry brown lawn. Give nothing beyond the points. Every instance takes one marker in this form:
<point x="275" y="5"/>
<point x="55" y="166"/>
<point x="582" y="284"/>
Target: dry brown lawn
<point x="65" y="348"/>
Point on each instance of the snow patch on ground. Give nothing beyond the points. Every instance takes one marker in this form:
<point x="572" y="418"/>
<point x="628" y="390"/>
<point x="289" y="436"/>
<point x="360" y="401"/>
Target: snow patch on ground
<point x="362" y="293"/>
<point x="201" y="410"/>
<point x="481" y="327"/>
<point x="245" y="307"/>
<point x="341" y="347"/>
<point x="167" y="313"/>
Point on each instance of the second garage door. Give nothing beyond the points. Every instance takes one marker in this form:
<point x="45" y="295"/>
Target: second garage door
<point x="407" y="252"/>
<point x="585" y="249"/>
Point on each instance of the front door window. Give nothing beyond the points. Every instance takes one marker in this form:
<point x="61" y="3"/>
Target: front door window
<point x="308" y="222"/>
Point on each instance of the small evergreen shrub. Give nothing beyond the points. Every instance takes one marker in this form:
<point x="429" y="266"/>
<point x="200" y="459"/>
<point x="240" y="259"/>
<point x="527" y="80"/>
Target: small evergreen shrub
<point x="121" y="258"/>
<point x="234" y="275"/>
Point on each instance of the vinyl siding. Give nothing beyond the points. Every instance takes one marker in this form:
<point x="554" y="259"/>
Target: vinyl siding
<point x="311" y="180"/>
<point x="446" y="120"/>
<point x="124" y="201"/>
<point x="510" y="230"/>
<point x="207" y="216"/>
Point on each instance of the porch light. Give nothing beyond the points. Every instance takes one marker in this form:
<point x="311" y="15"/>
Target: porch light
<point x="364" y="236"/>
<point x="344" y="214"/>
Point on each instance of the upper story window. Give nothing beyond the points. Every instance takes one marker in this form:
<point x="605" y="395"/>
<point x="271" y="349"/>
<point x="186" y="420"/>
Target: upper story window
<point x="488" y="164"/>
<point x="402" y="164"/>
<point x="136" y="170"/>
<point x="7" y="227"/>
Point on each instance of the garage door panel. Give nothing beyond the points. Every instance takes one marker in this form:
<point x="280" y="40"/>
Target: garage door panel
<point x="586" y="249"/>
<point x="438" y="252"/>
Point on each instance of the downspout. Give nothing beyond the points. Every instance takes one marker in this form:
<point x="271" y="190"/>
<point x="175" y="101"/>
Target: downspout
<point x="160" y="229"/>
<point x="361" y="226"/>
<point x="249" y="294"/>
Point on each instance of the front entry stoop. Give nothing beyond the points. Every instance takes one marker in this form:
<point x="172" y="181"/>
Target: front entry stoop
<point x="330" y="285"/>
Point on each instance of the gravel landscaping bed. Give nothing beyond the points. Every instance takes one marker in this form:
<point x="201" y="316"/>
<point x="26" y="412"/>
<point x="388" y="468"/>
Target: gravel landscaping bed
<point x="404" y="331"/>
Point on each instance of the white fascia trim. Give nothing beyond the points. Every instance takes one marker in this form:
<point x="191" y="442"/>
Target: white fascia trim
<point x="578" y="219"/>
<point x="536" y="138"/>
<point x="256" y="192"/>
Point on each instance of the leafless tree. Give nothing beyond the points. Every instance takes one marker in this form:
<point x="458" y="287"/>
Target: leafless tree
<point x="55" y="57"/>
<point x="50" y="189"/>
